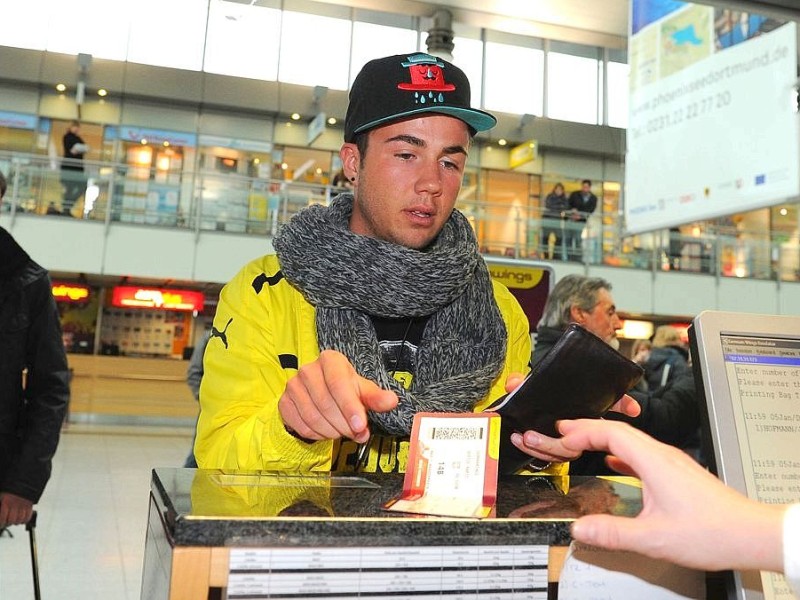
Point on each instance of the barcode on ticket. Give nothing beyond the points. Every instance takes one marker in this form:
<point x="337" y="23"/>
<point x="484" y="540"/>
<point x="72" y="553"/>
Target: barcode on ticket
<point x="457" y="433"/>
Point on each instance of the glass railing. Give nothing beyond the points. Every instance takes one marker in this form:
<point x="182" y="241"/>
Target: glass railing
<point x="204" y="201"/>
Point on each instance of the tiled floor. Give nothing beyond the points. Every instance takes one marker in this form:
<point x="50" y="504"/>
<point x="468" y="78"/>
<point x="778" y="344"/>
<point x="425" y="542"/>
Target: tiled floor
<point x="92" y="515"/>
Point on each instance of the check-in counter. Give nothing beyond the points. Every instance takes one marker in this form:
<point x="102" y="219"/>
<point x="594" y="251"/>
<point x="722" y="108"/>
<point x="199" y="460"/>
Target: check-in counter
<point x="153" y="388"/>
<point x="215" y="534"/>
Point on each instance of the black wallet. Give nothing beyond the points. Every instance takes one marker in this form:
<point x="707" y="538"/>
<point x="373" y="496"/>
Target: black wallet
<point x="581" y="377"/>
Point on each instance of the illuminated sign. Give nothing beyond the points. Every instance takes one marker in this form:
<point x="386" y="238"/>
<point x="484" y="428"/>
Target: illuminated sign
<point x="70" y="292"/>
<point x="516" y="277"/>
<point x="17" y="120"/>
<point x="530" y="285"/>
<point x="157" y="136"/>
<point x="524" y="153"/>
<point x="137" y="297"/>
<point x="635" y="330"/>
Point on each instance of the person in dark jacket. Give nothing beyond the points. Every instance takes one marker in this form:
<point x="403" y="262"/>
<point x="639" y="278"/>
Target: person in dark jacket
<point x="670" y="414"/>
<point x="582" y="204"/>
<point x="668" y="358"/>
<point x="194" y="375"/>
<point x="556" y="206"/>
<point x="72" y="175"/>
<point x="34" y="380"/>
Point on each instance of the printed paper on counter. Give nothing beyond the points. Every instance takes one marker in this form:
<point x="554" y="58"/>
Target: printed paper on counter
<point x="452" y="465"/>
<point x="591" y="573"/>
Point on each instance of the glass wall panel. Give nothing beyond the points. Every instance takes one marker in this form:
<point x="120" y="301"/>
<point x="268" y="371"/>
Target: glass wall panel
<point x="372" y="41"/>
<point x="86" y="26"/>
<point x="300" y="65"/>
<point x="242" y="40"/>
<point x="168" y="34"/>
<point x="514" y="79"/>
<point x="504" y="215"/>
<point x="617" y="75"/>
<point x="468" y="55"/>
<point x="17" y="32"/>
<point x="572" y="83"/>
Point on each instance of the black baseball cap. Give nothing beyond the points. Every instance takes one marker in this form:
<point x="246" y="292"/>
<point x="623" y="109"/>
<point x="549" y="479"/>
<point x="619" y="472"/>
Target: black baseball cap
<point x="404" y="85"/>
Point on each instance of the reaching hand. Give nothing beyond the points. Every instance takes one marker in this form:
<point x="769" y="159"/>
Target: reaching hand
<point x="550" y="449"/>
<point x="328" y="400"/>
<point x="689" y="516"/>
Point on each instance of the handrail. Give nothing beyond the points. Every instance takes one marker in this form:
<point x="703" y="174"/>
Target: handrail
<point x="203" y="201"/>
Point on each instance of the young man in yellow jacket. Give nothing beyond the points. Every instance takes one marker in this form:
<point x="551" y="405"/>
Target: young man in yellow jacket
<point x="374" y="308"/>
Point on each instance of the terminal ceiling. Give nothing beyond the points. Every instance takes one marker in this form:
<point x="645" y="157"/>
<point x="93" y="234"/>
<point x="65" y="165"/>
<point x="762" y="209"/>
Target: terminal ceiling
<point x="592" y="22"/>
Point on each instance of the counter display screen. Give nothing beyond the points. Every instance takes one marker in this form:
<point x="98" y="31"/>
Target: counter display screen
<point x="763" y="376"/>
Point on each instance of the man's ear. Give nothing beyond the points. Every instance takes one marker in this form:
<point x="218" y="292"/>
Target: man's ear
<point x="351" y="160"/>
<point x="576" y="314"/>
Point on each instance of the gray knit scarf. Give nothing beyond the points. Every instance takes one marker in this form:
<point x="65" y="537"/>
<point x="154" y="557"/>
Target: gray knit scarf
<point x="349" y="277"/>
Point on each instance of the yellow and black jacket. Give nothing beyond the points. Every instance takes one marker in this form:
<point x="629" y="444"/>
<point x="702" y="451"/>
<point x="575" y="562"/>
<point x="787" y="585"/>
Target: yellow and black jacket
<point x="263" y="331"/>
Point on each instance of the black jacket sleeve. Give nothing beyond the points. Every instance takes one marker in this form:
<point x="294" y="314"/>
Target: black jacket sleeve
<point x="46" y="395"/>
<point x="670" y="414"/>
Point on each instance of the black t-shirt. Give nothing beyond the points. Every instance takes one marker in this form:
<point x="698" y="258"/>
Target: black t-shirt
<point x="399" y="340"/>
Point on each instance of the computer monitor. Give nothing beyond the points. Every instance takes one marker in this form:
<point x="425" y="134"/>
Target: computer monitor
<point x="747" y="370"/>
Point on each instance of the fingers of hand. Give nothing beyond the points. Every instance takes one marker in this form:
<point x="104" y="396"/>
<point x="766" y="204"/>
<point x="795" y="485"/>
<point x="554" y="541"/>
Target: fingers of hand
<point x="327" y="399"/>
<point x="308" y="407"/>
<point x="293" y="420"/>
<point x="14" y="510"/>
<point x="343" y="385"/>
<point x="373" y="397"/>
<point x="619" y="466"/>
<point x="627" y="406"/>
<point x="604" y="531"/>
<point x="513" y="381"/>
<point x="631" y="446"/>
<point x="543" y="447"/>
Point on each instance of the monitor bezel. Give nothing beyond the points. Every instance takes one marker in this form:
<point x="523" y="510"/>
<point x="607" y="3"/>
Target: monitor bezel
<point x="721" y="442"/>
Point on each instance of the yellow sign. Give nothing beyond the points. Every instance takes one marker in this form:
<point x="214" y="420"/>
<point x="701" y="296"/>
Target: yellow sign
<point x="516" y="277"/>
<point x="524" y="153"/>
<point x="70" y="293"/>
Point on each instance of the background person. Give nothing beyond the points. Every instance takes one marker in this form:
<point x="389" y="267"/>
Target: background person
<point x="194" y="375"/>
<point x="72" y="175"/>
<point x="556" y="207"/>
<point x="725" y="530"/>
<point x="34" y="380"/>
<point x="668" y="358"/>
<point x="670" y="414"/>
<point x="582" y="203"/>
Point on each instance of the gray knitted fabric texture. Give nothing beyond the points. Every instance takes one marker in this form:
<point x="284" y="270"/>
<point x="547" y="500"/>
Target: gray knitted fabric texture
<point x="349" y="277"/>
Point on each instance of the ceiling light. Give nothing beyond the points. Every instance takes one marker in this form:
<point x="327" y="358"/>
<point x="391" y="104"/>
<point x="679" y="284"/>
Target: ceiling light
<point x="284" y="166"/>
<point x="295" y="116"/>
<point x="144" y="142"/>
<point x="319" y="171"/>
<point x="331" y="120"/>
<point x="784" y="212"/>
<point x="256" y="161"/>
<point x="61" y="87"/>
<point x="501" y="142"/>
<point x="102" y="92"/>
<point x="166" y="144"/>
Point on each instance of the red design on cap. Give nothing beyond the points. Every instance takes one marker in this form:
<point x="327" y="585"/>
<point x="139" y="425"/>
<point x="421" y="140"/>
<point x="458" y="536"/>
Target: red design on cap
<point x="426" y="76"/>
